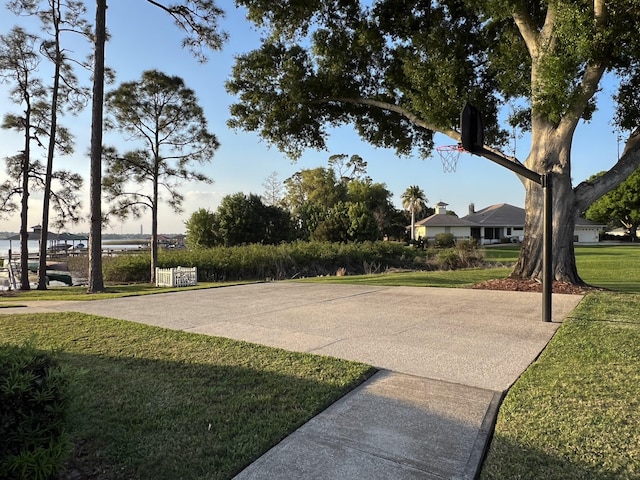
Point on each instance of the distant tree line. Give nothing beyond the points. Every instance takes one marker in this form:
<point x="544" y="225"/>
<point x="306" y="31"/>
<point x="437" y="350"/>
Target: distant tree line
<point x="339" y="203"/>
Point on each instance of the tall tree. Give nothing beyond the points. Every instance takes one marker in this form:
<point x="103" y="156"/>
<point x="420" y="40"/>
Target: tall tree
<point x="413" y="201"/>
<point x="620" y="206"/>
<point x="348" y="169"/>
<point x="201" y="229"/>
<point x="19" y="63"/>
<point x="198" y="19"/>
<point x="401" y="71"/>
<point x="66" y="93"/>
<point x="273" y="190"/>
<point x="163" y="114"/>
<point x="95" y="283"/>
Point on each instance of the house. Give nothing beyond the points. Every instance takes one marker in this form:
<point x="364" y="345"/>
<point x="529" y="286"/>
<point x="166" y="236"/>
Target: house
<point x="493" y="224"/>
<point x="441" y="222"/>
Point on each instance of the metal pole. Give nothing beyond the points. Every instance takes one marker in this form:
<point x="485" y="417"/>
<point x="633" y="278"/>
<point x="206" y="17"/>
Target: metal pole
<point x="547" y="258"/>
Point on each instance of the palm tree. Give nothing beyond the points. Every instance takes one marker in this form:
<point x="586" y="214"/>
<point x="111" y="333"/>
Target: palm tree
<point x="413" y="200"/>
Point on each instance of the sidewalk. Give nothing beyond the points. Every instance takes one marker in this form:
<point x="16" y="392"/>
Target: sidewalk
<point x="446" y="357"/>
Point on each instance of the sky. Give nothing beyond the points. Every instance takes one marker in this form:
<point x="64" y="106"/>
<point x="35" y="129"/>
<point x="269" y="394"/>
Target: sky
<point x="144" y="38"/>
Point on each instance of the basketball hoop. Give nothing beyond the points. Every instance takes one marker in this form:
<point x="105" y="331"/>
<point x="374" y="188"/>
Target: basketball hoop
<point x="449" y="154"/>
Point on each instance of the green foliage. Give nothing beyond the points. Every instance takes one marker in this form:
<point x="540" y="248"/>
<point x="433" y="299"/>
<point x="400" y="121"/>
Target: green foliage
<point x="164" y="116"/>
<point x="620" y="206"/>
<point x="445" y="240"/>
<point x="201" y="229"/>
<point x="414" y="201"/>
<point x="381" y="66"/>
<point x="34" y="399"/>
<point x="259" y="262"/>
<point x="127" y="268"/>
<point x="456" y="258"/>
<point x="340" y="204"/>
<point x="242" y="219"/>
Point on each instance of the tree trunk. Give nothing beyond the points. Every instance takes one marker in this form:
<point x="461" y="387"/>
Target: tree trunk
<point x="552" y="154"/>
<point x="154" y="232"/>
<point x="24" y="222"/>
<point x="42" y="262"/>
<point x="413" y="224"/>
<point x="96" y="280"/>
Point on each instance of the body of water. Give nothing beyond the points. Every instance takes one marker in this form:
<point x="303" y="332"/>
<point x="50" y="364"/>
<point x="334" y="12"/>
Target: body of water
<point x="5" y="245"/>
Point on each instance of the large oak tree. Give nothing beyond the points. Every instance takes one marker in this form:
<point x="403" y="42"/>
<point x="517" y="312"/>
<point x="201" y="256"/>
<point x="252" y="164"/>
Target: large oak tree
<point x="401" y="70"/>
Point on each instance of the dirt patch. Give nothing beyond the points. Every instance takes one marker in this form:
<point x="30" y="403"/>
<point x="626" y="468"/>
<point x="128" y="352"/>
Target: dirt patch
<point x="517" y="285"/>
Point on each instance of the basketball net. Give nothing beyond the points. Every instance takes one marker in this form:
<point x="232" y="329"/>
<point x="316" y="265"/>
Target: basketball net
<point x="449" y="154"/>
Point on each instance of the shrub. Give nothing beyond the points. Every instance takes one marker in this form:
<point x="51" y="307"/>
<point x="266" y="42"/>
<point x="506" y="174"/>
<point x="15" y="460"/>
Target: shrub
<point x="445" y="240"/>
<point x="449" y="259"/>
<point x="454" y="258"/>
<point x="466" y="245"/>
<point x="127" y="268"/>
<point x="34" y="397"/>
<point x="293" y="260"/>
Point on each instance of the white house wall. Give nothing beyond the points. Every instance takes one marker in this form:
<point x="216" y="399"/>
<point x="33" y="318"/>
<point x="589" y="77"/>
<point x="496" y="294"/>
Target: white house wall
<point x="586" y="235"/>
<point x="458" y="232"/>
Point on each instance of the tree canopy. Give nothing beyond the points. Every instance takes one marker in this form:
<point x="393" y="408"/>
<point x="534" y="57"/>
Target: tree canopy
<point x="400" y="71"/>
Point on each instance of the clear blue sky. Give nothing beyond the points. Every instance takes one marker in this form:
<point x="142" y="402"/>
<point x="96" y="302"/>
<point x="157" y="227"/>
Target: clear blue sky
<point x="143" y="38"/>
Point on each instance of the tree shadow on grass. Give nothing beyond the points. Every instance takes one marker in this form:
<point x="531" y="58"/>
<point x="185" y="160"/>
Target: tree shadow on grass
<point x="508" y="459"/>
<point x="155" y="404"/>
<point x="151" y="419"/>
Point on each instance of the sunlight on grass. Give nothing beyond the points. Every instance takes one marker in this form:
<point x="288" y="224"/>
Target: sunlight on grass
<point x="613" y="267"/>
<point x="112" y="291"/>
<point x="574" y="413"/>
<point x="450" y="278"/>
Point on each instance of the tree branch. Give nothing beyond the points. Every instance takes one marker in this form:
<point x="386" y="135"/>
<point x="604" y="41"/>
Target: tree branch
<point x="588" y="192"/>
<point x="527" y="28"/>
<point x="449" y="132"/>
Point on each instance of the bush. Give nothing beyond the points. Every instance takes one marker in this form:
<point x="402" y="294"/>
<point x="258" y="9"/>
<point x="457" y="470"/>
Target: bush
<point x="466" y="245"/>
<point x="127" y="268"/>
<point x="445" y="240"/>
<point x="459" y="257"/>
<point x="292" y="260"/>
<point x="34" y="397"/>
<point x="276" y="262"/>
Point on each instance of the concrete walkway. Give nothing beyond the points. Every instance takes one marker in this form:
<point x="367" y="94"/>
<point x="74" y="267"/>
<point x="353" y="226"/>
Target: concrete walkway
<point x="446" y="357"/>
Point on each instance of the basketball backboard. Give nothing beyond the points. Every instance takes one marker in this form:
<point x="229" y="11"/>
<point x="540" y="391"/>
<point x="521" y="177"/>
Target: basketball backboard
<point x="471" y="129"/>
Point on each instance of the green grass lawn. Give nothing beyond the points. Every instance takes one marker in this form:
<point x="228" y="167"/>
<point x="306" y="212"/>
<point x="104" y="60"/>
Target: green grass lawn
<point x="162" y="404"/>
<point x="614" y="267"/>
<point x="574" y="414"/>
<point x="112" y="291"/>
<point x="452" y="278"/>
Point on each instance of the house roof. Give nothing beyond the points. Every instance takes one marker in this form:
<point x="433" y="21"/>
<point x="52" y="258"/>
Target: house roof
<point x="499" y="215"/>
<point x="583" y="222"/>
<point x="60" y="237"/>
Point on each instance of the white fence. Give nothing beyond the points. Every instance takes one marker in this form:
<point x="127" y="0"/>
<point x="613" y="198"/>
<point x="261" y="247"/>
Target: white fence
<point x="176" y="277"/>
